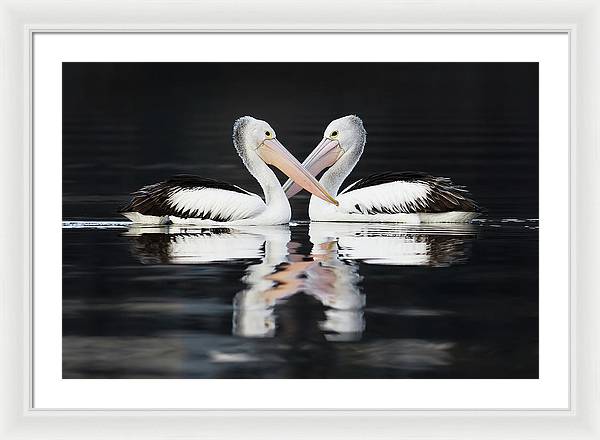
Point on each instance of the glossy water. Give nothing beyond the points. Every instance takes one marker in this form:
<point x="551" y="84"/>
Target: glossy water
<point x="310" y="300"/>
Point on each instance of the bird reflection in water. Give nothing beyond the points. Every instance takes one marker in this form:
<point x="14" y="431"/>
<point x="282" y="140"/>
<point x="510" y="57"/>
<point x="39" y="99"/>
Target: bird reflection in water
<point x="285" y="272"/>
<point x="277" y="269"/>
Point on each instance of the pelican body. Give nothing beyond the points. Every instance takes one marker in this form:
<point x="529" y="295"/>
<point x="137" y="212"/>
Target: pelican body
<point x="188" y="199"/>
<point x="399" y="197"/>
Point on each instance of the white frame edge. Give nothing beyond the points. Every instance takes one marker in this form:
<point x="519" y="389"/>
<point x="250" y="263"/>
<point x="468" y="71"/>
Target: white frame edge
<point x="17" y="22"/>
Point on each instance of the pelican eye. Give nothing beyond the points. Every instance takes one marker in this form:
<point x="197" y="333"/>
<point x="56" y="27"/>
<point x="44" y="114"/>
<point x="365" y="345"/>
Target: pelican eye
<point x="268" y="134"/>
<point x="334" y="133"/>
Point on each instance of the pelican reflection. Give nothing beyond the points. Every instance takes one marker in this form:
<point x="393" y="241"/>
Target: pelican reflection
<point x="396" y="244"/>
<point x="202" y="245"/>
<point x="277" y="268"/>
<point x="285" y="272"/>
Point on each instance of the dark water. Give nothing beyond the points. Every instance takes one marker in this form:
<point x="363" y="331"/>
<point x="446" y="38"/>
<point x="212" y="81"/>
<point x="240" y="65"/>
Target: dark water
<point x="308" y="300"/>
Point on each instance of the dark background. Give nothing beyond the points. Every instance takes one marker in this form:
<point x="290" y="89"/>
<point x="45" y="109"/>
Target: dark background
<point x="126" y="125"/>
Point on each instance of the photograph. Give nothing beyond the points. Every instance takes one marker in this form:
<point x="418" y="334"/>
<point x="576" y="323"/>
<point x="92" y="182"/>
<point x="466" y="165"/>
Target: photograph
<point x="300" y="220"/>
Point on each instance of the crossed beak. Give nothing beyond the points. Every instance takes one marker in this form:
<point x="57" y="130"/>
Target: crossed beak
<point x="323" y="156"/>
<point x="273" y="153"/>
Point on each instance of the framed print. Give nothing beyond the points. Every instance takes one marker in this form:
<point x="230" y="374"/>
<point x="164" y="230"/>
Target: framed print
<point x="386" y="294"/>
<point x="330" y="227"/>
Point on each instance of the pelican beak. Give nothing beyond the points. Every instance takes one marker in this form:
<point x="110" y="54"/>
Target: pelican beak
<point x="323" y="156"/>
<point x="273" y="153"/>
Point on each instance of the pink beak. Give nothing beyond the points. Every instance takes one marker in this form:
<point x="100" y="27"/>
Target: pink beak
<point x="323" y="156"/>
<point x="273" y="153"/>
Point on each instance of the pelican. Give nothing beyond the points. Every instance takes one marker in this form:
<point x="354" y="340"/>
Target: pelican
<point x="187" y="199"/>
<point x="401" y="197"/>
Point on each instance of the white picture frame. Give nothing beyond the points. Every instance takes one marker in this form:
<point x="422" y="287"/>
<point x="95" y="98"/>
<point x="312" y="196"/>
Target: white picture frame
<point x="18" y="22"/>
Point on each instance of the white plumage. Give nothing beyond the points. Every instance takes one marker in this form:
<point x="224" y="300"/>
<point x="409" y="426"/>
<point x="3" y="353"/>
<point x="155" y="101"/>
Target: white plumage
<point x="224" y="204"/>
<point x="391" y="202"/>
<point x="403" y="196"/>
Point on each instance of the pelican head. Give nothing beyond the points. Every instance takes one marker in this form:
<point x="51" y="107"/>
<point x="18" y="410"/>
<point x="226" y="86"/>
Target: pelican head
<point x="341" y="147"/>
<point x="256" y="141"/>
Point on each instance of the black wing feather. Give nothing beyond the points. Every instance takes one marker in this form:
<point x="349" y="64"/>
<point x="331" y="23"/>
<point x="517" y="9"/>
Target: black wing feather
<point x="444" y="195"/>
<point x="154" y="199"/>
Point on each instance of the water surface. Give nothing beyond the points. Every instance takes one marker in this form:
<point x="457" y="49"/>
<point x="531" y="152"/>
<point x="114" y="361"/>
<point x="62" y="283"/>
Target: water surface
<point x="309" y="300"/>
